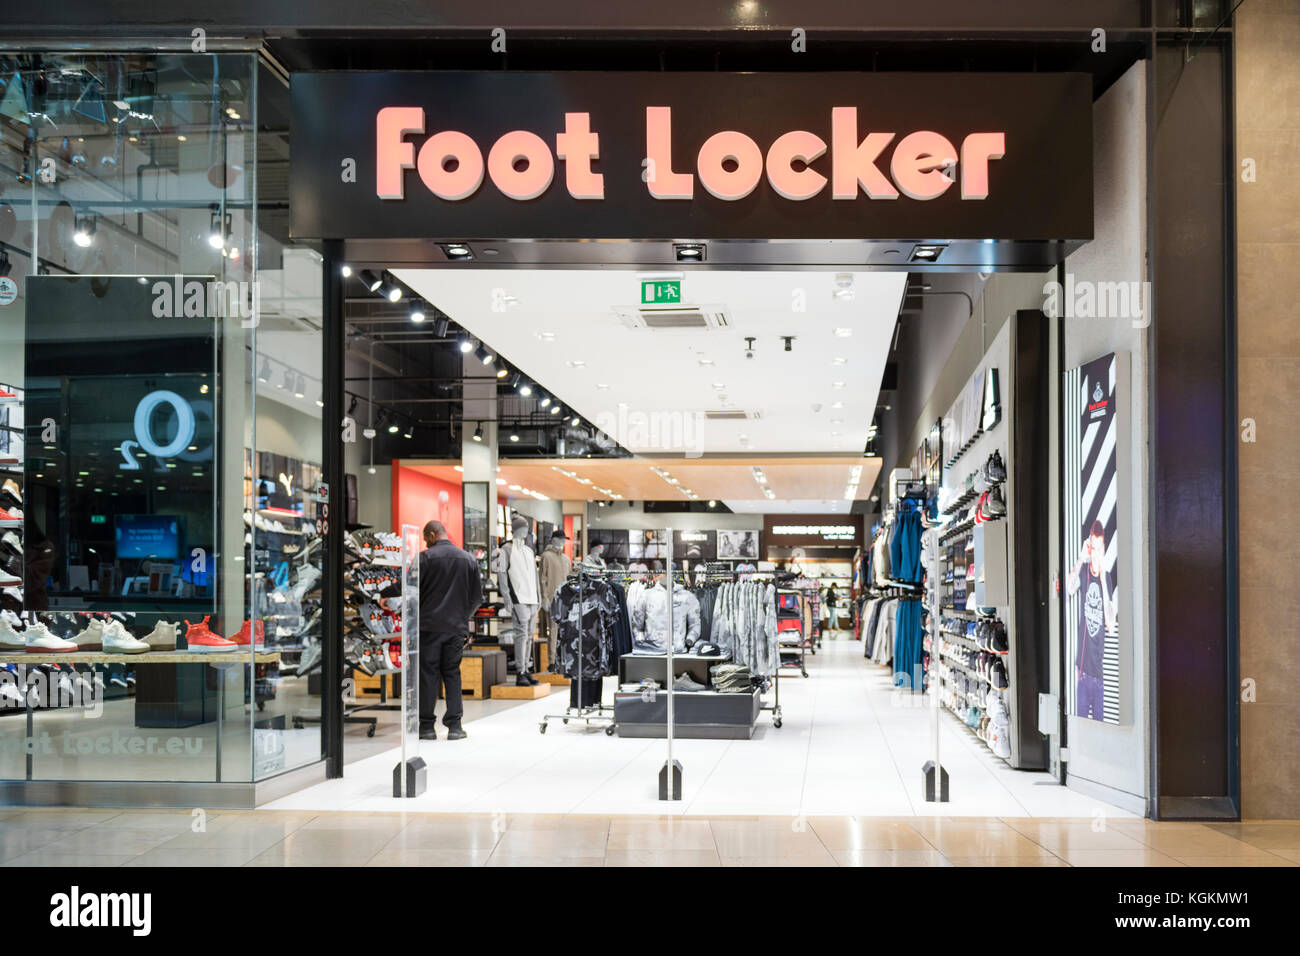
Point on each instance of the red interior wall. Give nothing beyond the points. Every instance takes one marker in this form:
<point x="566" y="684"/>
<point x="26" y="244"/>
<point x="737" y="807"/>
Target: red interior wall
<point x="418" y="498"/>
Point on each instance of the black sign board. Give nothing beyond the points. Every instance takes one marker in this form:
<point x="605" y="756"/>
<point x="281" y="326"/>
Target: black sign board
<point x="862" y="156"/>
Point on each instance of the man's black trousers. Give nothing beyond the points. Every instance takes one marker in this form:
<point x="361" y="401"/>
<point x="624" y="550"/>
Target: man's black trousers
<point x="440" y="667"/>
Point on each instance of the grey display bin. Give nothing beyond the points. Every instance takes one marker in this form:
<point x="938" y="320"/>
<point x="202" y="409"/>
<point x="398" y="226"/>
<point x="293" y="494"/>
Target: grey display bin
<point x="696" y="714"/>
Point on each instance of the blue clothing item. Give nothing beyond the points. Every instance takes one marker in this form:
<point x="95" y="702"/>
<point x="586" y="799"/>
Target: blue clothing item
<point x="908" y="646"/>
<point x="905" y="547"/>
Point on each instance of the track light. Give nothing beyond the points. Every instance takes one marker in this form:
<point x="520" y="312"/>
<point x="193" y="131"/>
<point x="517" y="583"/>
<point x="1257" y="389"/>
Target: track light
<point x="352" y="406"/>
<point x="525" y="389"/>
<point x="300" y="388"/>
<point x="514" y="436"/>
<point x="410" y="432"/>
<point x="393" y="428"/>
<point x="345" y="271"/>
<point x="393" y="293"/>
<point x="484" y="356"/>
<point x="555" y="409"/>
<point x="689" y="251"/>
<point x="464" y="341"/>
<point x="288" y="380"/>
<point x="218" y="229"/>
<point x="502" y="372"/>
<point x="458" y="250"/>
<point x="543" y="399"/>
<point x="577" y="420"/>
<point x="515" y="379"/>
<point x="371" y="281"/>
<point x="478" y="433"/>
<point x="264" y="374"/>
<point x="440" y="327"/>
<point x="417" y="312"/>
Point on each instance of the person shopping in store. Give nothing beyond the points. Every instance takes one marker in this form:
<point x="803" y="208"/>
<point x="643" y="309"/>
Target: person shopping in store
<point x="451" y="590"/>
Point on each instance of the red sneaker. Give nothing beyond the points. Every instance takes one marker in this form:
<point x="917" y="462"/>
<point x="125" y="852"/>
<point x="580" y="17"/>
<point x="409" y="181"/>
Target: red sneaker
<point x="10" y="520"/>
<point x="241" y="637"/>
<point x="199" y="637"/>
<point x="7" y="396"/>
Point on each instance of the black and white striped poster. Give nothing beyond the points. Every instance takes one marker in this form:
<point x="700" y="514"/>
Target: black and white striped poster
<point x="1091" y="547"/>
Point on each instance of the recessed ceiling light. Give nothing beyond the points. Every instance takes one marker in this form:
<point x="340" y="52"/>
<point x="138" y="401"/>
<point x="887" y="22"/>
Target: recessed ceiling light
<point x="837" y="404"/>
<point x="837" y="421"/>
<point x="706" y="361"/>
<point x="546" y="336"/>
<point x="837" y="384"/>
<point x="838" y="360"/>
<point x="843" y="333"/>
<point x="602" y="386"/>
<point x="689" y="251"/>
<point x="576" y="363"/>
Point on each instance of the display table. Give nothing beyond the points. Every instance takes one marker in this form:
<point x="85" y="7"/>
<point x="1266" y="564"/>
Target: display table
<point x="634" y="668"/>
<point x="701" y="714"/>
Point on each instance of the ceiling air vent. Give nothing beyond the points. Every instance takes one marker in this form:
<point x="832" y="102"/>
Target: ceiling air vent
<point x="687" y="319"/>
<point x="730" y="415"/>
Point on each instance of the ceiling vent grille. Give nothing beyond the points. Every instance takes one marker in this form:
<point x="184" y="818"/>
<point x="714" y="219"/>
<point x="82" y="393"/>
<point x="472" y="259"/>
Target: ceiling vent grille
<point x="688" y="319"/>
<point x="730" y="415"/>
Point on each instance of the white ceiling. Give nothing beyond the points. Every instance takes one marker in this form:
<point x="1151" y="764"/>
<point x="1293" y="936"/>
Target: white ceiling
<point x="659" y="383"/>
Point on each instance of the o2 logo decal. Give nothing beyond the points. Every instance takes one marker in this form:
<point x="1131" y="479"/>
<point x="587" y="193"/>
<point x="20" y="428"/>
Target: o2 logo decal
<point x="185" y="415"/>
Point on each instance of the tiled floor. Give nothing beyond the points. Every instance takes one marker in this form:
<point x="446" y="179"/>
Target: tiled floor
<point x="305" y="838"/>
<point x="849" y="745"/>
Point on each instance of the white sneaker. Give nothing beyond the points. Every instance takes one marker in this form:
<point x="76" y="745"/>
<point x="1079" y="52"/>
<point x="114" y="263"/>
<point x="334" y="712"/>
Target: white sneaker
<point x="118" y="640"/>
<point x="10" y="639"/>
<point x="8" y="580"/>
<point x="10" y="691"/>
<point x="92" y="638"/>
<point x="162" y="637"/>
<point x="41" y="641"/>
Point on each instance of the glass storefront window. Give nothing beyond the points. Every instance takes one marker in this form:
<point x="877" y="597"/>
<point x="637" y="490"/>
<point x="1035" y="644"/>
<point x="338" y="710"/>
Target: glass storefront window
<point x="160" y="355"/>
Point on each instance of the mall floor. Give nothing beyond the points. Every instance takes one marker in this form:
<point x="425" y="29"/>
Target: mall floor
<point x="838" y="784"/>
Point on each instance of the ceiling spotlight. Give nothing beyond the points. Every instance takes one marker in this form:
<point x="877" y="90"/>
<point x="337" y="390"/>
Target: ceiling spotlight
<point x="789" y="342"/>
<point x="345" y="271"/>
<point x="555" y="409"/>
<point x="927" y="253"/>
<point x="352" y="406"/>
<point x="371" y="281"/>
<point x="464" y="341"/>
<point x="514" y="436"/>
<point x="393" y="293"/>
<point x="440" y="327"/>
<point x="300" y="388"/>
<point x="689" y="251"/>
<point x="712" y="503"/>
<point x="577" y="420"/>
<point x="515" y="379"/>
<point x="478" y="433"/>
<point x="502" y="371"/>
<point x="543" y="399"/>
<point x="85" y="234"/>
<point x="458" y="250"/>
<point x="416" y="314"/>
<point x="525" y="389"/>
<point x="264" y="374"/>
<point x="288" y="380"/>
<point x="843" y="333"/>
<point x="484" y="356"/>
<point x="393" y="428"/>
<point x="410" y="432"/>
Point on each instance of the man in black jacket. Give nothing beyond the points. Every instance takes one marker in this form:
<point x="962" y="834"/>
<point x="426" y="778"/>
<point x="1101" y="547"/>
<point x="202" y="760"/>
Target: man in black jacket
<point x="451" y="590"/>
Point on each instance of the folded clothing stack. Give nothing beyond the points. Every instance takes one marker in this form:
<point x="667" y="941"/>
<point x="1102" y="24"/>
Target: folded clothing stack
<point x="731" y="678"/>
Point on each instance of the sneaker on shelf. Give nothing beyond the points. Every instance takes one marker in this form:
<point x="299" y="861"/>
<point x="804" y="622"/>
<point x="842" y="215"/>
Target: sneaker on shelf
<point x="92" y="637"/>
<point x="11" y="496"/>
<point x="200" y="639"/>
<point x="309" y="661"/>
<point x="11" y="639"/>
<point x="7" y="397"/>
<point x="11" y="543"/>
<point x="8" y="579"/>
<point x="118" y="640"/>
<point x="11" y="518"/>
<point x="162" y="637"/>
<point x="118" y="680"/>
<point x="995" y="506"/>
<point x="41" y="641"/>
<point x="241" y="636"/>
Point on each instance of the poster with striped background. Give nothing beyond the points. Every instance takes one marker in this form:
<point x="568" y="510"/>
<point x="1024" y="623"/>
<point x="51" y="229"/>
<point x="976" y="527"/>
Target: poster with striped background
<point x="1091" y="545"/>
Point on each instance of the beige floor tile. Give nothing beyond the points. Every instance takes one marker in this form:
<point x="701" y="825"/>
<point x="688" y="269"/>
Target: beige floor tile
<point x="1080" y="835"/>
<point x="381" y="823"/>
<point x="18" y="839"/>
<point x="559" y="843"/>
<point x="445" y="857"/>
<point x="984" y="841"/>
<point x="557" y="821"/>
<point x="1292" y="855"/>
<point x="315" y="853"/>
<point x="1267" y="859"/>
<point x="865" y="833"/>
<point x="169" y="820"/>
<point x="779" y="861"/>
<point x="60" y="818"/>
<point x="72" y="860"/>
<point x="778" y="838"/>
<point x="1205" y="842"/>
<point x="1007" y="861"/>
<point x="469" y="835"/>
<point x="662" y="858"/>
<point x="1266" y="836"/>
<point x="1138" y="857"/>
<point x="661" y="835"/>
<point x="889" y="858"/>
<point x="111" y="839"/>
<point x="222" y="856"/>
<point x="515" y="859"/>
<point x="243" y="837"/>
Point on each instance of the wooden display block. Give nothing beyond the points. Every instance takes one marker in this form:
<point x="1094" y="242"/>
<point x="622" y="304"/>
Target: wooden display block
<point x="555" y="680"/>
<point x="480" y="669"/>
<point x="515" y="692"/>
<point x="370" y="685"/>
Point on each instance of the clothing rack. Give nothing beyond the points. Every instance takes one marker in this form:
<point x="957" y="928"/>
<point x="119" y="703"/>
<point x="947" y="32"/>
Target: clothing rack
<point x="597" y="714"/>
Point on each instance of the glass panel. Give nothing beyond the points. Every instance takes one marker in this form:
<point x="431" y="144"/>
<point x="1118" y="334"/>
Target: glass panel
<point x="127" y="234"/>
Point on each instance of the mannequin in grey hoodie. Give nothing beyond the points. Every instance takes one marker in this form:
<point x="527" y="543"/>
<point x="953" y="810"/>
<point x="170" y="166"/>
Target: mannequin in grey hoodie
<point x="650" y="620"/>
<point x="555" y="568"/>
<point x="515" y="566"/>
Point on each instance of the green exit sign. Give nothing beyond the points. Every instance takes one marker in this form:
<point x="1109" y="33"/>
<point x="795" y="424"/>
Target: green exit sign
<point x="661" y="291"/>
<point x="99" y="519"/>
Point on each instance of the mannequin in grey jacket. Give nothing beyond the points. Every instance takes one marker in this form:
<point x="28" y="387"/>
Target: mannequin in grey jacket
<point x="650" y="620"/>
<point x="516" y="570"/>
<point x="555" y="568"/>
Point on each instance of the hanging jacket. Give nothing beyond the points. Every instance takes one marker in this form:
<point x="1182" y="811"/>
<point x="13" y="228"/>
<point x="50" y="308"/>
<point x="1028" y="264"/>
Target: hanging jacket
<point x="555" y="568"/>
<point x="650" y="621"/>
<point x="586" y="644"/>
